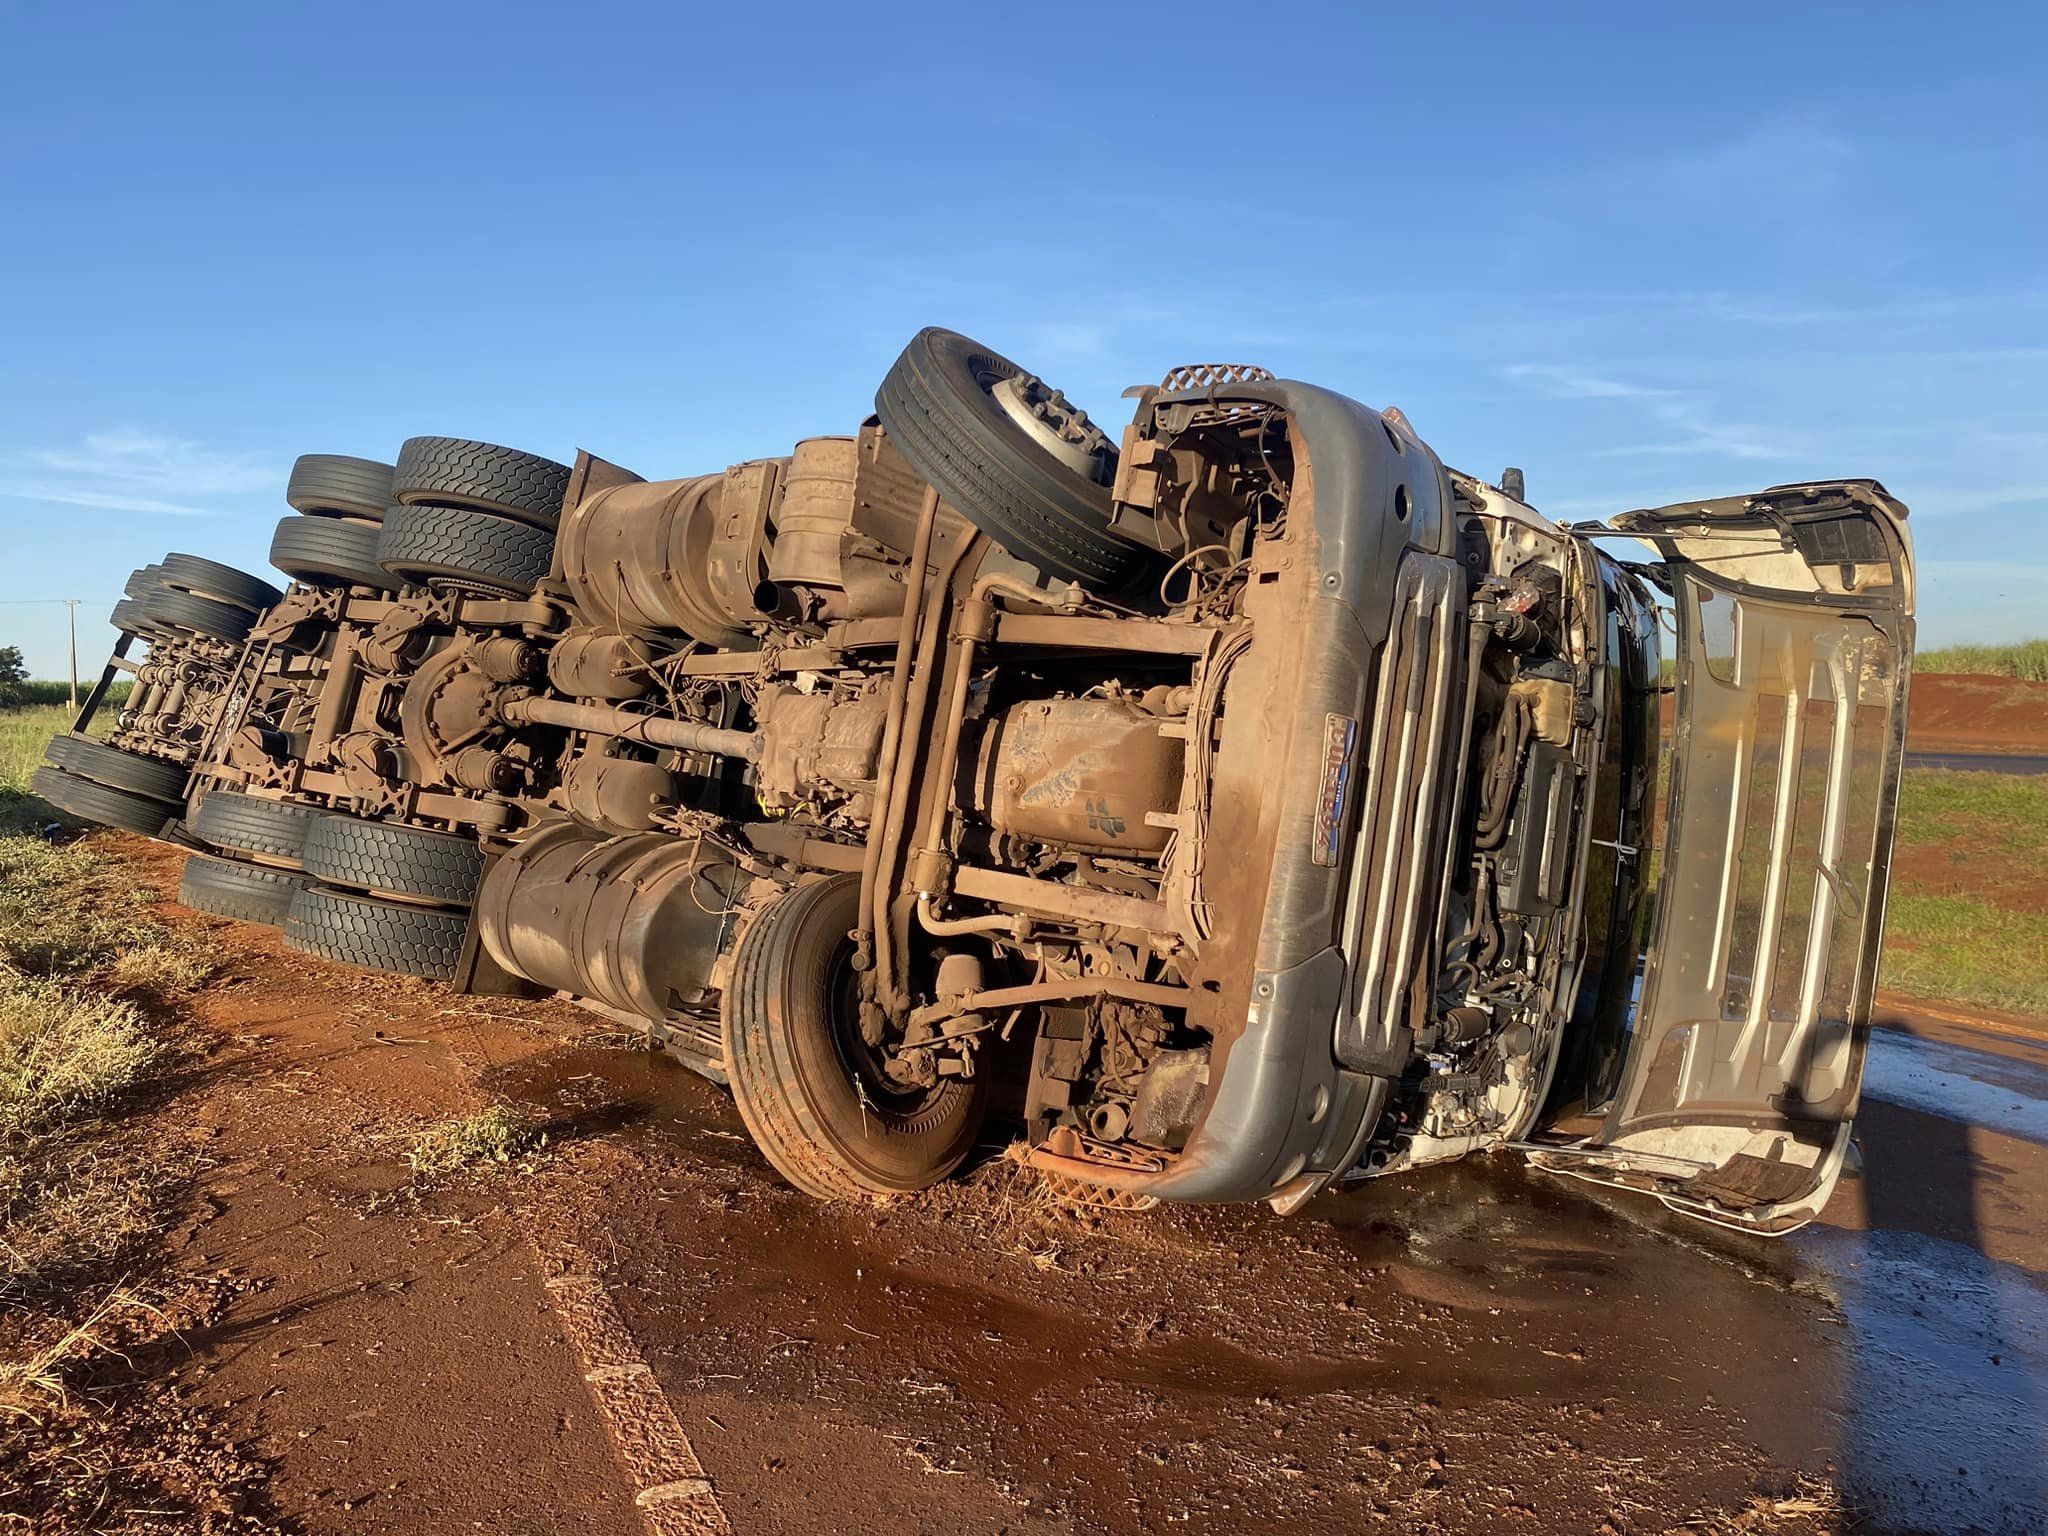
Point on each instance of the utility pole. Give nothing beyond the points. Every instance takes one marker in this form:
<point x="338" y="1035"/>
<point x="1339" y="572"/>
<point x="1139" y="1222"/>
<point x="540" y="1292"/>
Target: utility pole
<point x="71" y="614"/>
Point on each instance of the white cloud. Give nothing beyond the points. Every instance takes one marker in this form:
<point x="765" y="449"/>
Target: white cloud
<point x="2002" y="305"/>
<point x="1577" y="384"/>
<point x="125" y="470"/>
<point x="1686" y="417"/>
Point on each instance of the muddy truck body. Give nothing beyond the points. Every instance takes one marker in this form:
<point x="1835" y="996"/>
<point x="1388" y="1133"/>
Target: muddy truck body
<point x="1246" y="806"/>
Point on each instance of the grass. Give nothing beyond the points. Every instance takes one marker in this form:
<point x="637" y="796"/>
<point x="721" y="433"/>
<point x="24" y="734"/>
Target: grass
<point x="89" y="983"/>
<point x="91" y="1011"/>
<point x="67" y="912"/>
<point x="67" y="1053"/>
<point x="1974" y="928"/>
<point x="495" y="1135"/>
<point x="2028" y="660"/>
<point x="1962" y="950"/>
<point x="25" y="731"/>
<point x="1936" y="805"/>
<point x="85" y="998"/>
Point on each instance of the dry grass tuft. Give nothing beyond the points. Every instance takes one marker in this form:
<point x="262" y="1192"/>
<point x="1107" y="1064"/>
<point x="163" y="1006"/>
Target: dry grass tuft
<point x="66" y="1053"/>
<point x="161" y="970"/>
<point x="1018" y="1211"/>
<point x="499" y="1134"/>
<point x="71" y="1210"/>
<point x="67" y="911"/>
<point x="1813" y="1505"/>
<point x="33" y="1384"/>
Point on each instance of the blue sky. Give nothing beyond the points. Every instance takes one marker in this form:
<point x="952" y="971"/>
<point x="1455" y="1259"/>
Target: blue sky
<point x="1644" y="252"/>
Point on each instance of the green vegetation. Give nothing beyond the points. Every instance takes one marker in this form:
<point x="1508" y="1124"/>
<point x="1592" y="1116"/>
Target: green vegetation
<point x="1967" y="921"/>
<point x="43" y="690"/>
<point x="23" y="735"/>
<point x="88" y="980"/>
<point x="18" y="689"/>
<point x="1937" y="806"/>
<point x="2027" y="660"/>
<point x="66" y="1054"/>
<point x="1959" y="949"/>
<point x="495" y="1135"/>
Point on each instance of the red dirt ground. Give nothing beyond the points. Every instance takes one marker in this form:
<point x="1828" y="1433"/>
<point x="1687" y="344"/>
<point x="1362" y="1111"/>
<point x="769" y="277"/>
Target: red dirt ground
<point x="1967" y="714"/>
<point x="1475" y="1350"/>
<point x="1977" y="714"/>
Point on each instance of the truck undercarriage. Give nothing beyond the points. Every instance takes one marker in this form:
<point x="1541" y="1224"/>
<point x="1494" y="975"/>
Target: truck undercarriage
<point x="1248" y="804"/>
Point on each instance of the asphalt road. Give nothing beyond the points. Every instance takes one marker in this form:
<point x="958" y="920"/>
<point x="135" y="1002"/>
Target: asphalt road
<point x="1474" y="1349"/>
<point x="1981" y="762"/>
<point x="1478" y="1348"/>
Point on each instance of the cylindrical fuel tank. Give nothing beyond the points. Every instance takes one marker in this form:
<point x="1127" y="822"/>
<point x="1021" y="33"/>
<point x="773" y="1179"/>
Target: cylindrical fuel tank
<point x="816" y="506"/>
<point x="635" y="922"/>
<point x="1081" y="773"/>
<point x="638" y="558"/>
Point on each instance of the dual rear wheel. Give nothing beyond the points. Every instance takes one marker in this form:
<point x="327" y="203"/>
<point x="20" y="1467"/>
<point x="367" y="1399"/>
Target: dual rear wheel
<point x="451" y="512"/>
<point x="379" y="895"/>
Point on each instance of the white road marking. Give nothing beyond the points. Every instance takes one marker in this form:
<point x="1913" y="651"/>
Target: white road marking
<point x="672" y="1493"/>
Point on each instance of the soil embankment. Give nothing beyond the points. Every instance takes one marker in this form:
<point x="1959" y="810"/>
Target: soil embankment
<point x="1977" y="715"/>
<point x="1967" y="715"/>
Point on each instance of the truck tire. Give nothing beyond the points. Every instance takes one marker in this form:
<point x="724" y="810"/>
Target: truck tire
<point x="396" y="859"/>
<point x="454" y="472"/>
<point x="129" y="615"/>
<point x="815" y="1104"/>
<point x="376" y="935"/>
<point x="335" y="485"/>
<point x="325" y="553"/>
<point x="118" y="768"/>
<point x="148" y="579"/>
<point x="87" y="801"/>
<point x="249" y="893"/>
<point x="457" y="546"/>
<point x="266" y="829"/>
<point x="173" y="609"/>
<point x="936" y="406"/>
<point x="223" y="583"/>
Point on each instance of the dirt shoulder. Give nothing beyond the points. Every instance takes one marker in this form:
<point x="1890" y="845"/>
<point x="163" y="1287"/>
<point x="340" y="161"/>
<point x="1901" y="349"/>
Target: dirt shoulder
<point x="974" y="1361"/>
<point x="1474" y="1350"/>
<point x="391" y="1354"/>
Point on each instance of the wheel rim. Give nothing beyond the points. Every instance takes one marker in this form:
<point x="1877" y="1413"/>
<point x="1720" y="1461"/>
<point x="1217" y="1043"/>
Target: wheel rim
<point x="864" y="1064"/>
<point x="1054" y="423"/>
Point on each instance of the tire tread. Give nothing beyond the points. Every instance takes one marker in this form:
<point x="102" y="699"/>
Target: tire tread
<point x="375" y="935"/>
<point x="391" y="856"/>
<point x="251" y="824"/>
<point x="248" y="893"/>
<point x="457" y="472"/>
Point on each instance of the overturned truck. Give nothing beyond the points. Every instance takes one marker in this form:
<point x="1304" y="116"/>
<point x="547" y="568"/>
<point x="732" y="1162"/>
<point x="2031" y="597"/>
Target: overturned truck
<point x="1248" y="805"/>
